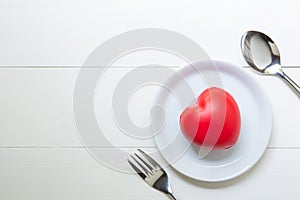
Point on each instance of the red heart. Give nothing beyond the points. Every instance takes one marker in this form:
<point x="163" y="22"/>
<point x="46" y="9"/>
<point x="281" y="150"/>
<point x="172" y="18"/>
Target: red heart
<point x="213" y="121"/>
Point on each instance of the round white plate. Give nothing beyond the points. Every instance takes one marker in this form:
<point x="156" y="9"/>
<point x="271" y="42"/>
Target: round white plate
<point x="218" y="165"/>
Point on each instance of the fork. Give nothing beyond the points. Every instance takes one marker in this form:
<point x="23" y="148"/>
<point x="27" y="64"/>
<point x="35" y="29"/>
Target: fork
<point x="151" y="172"/>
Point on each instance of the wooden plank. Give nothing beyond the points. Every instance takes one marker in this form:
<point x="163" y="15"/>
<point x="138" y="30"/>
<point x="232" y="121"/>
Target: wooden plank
<point x="37" y="110"/>
<point x="65" y="33"/>
<point x="64" y="173"/>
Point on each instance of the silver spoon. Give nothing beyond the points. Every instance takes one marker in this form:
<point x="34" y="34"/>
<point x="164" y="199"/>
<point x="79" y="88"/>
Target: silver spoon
<point x="262" y="54"/>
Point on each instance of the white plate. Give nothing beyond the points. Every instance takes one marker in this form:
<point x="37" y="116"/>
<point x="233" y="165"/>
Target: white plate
<point x="218" y="165"/>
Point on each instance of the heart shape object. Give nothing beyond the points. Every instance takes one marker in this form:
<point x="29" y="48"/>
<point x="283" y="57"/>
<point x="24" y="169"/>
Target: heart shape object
<point x="214" y="121"/>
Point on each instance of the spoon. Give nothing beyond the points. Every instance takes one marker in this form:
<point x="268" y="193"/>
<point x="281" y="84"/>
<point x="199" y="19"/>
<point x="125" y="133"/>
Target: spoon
<point x="262" y="54"/>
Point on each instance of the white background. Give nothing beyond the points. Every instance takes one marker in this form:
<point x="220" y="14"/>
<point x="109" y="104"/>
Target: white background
<point x="42" y="46"/>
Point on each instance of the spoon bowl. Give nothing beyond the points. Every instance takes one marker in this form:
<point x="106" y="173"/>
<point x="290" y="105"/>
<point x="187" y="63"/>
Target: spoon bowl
<point x="262" y="54"/>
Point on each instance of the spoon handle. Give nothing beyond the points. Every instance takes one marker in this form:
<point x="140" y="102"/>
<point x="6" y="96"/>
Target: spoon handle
<point x="291" y="83"/>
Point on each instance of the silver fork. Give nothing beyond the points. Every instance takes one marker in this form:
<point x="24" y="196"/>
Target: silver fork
<point x="152" y="173"/>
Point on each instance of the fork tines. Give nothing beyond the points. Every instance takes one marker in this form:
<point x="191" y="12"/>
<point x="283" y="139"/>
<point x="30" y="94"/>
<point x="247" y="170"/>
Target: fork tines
<point x="152" y="173"/>
<point x="143" y="164"/>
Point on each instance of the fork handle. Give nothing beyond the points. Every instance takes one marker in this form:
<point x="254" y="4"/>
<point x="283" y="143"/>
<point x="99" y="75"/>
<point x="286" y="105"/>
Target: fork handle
<point x="172" y="196"/>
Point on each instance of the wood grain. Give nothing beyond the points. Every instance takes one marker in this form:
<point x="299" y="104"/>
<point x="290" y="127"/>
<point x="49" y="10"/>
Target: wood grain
<point x="38" y="110"/>
<point x="64" y="33"/>
<point x="73" y="174"/>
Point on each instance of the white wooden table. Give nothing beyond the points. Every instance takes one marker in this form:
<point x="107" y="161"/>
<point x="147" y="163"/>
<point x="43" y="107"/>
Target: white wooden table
<point x="42" y="46"/>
